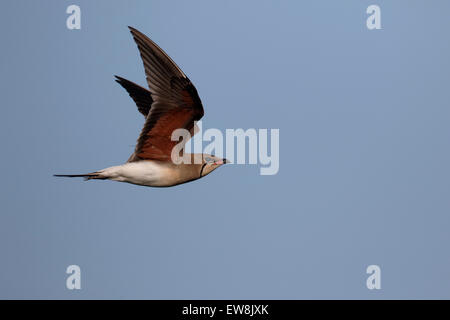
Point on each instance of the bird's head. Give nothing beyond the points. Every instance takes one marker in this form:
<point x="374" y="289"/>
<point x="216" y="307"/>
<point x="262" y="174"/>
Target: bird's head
<point x="210" y="163"/>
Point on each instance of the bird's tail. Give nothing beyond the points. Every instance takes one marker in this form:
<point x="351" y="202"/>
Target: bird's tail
<point x="86" y="176"/>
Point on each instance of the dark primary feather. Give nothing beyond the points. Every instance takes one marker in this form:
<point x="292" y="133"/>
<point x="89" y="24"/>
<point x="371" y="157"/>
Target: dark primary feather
<point x="141" y="96"/>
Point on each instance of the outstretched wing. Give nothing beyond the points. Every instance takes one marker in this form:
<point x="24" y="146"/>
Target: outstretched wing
<point x="176" y="103"/>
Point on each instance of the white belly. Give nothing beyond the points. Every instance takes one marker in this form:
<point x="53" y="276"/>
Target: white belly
<point x="145" y="173"/>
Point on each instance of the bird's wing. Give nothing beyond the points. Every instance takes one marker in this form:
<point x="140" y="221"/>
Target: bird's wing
<point x="176" y="103"/>
<point x="141" y="96"/>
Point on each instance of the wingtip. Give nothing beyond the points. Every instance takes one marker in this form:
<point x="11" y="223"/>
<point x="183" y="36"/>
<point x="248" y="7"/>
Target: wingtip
<point x="121" y="80"/>
<point x="136" y="33"/>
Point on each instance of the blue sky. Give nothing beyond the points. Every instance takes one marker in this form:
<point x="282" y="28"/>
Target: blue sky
<point x="364" y="176"/>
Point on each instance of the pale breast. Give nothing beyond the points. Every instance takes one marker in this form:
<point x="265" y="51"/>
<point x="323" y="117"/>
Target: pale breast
<point x="152" y="173"/>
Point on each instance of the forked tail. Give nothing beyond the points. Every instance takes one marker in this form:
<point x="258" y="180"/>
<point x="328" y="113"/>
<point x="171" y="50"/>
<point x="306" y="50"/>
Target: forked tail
<point x="86" y="176"/>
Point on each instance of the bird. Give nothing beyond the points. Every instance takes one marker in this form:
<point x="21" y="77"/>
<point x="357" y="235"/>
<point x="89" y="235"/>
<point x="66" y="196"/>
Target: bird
<point x="170" y="103"/>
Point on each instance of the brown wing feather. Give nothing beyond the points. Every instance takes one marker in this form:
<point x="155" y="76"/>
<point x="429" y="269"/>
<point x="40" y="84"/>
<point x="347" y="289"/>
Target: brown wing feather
<point x="155" y="140"/>
<point x="176" y="103"/>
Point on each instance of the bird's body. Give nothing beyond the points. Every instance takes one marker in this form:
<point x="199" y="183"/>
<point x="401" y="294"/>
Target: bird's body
<point x="171" y="103"/>
<point x="152" y="173"/>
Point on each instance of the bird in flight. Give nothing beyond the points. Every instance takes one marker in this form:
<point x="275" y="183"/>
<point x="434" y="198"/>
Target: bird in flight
<point x="171" y="103"/>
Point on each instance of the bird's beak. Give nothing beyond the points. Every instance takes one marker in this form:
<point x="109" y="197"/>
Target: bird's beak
<point x="220" y="162"/>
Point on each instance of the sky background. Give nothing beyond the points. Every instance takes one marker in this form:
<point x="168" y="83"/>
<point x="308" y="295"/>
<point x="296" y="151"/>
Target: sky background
<point x="364" y="151"/>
